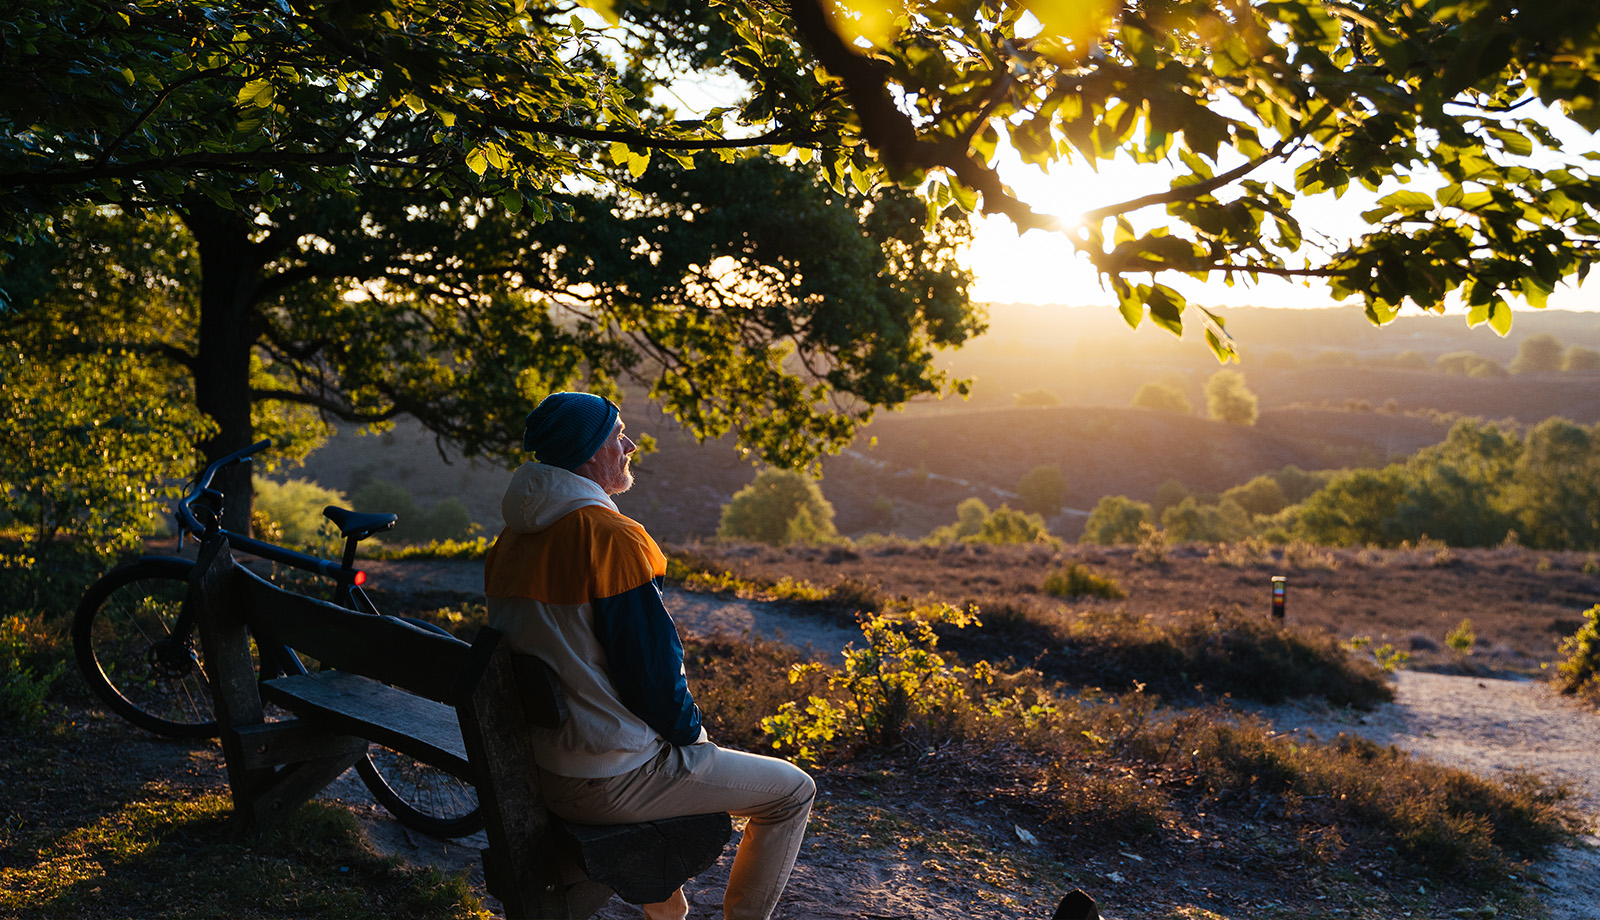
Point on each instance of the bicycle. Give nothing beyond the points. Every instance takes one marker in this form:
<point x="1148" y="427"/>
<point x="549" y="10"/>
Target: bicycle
<point x="135" y="643"/>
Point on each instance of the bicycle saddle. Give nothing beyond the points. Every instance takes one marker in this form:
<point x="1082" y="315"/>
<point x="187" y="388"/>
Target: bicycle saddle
<point x="358" y="525"/>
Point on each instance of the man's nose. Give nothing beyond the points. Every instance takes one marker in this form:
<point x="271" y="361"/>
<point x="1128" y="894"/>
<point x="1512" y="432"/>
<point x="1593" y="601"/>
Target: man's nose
<point x="628" y="446"/>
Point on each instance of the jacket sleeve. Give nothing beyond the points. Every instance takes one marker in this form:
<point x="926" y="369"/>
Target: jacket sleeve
<point x="645" y="660"/>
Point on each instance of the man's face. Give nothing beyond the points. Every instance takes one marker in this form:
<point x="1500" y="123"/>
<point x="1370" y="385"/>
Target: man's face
<point x="609" y="465"/>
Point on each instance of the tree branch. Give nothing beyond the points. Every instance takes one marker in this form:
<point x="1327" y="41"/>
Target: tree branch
<point x="1280" y="150"/>
<point x="341" y="410"/>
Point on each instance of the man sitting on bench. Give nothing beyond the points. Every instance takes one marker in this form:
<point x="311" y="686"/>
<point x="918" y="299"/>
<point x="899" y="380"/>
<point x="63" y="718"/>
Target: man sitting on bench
<point x="576" y="583"/>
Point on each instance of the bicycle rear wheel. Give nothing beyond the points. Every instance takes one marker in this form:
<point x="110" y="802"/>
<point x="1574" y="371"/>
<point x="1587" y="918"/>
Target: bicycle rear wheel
<point x="124" y="640"/>
<point x="422" y="797"/>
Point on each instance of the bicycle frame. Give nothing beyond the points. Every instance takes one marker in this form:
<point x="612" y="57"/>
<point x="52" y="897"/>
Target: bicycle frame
<point x="347" y="579"/>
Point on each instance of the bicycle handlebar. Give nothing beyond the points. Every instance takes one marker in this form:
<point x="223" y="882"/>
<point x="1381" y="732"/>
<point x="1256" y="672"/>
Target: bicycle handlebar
<point x="289" y="557"/>
<point x="202" y="485"/>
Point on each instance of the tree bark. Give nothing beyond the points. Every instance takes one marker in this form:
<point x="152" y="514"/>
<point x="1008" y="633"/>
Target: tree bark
<point x="230" y="282"/>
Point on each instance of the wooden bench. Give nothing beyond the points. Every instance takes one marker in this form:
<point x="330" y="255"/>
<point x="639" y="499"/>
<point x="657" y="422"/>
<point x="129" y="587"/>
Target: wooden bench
<point x="463" y="708"/>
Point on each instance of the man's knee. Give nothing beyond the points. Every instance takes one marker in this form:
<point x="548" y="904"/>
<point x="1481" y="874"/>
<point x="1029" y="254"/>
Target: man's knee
<point x="807" y="788"/>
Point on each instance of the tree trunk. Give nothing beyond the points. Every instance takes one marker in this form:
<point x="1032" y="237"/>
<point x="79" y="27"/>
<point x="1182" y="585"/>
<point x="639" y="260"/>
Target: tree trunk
<point x="230" y="274"/>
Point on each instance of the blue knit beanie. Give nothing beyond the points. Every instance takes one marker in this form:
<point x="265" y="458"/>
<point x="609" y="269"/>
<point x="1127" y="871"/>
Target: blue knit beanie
<point x="567" y="428"/>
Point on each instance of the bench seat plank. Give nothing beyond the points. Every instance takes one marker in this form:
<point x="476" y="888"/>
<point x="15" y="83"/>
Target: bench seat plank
<point x="645" y="863"/>
<point x="398" y="720"/>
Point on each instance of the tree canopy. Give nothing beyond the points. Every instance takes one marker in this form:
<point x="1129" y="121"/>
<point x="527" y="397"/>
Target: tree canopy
<point x="354" y="201"/>
<point x="251" y="121"/>
<point x="1254" y="105"/>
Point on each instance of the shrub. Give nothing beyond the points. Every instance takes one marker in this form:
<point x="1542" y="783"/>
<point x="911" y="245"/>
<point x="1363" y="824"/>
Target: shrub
<point x="1005" y="526"/>
<point x="91" y="446"/>
<point x="1297" y="484"/>
<point x="46" y="579"/>
<point x="30" y="664"/>
<point x="1152" y="545"/>
<point x="294" y="508"/>
<point x="1580" y="672"/>
<point x="1578" y="359"/>
<point x="1387" y="656"/>
<point x="1115" y="519"/>
<point x="1462" y="638"/>
<point x="447" y="520"/>
<point x="1169" y="493"/>
<point x="1355" y="508"/>
<point x="897" y="688"/>
<point x="1334" y="357"/>
<point x="1162" y="397"/>
<point x="1229" y="400"/>
<point x="1260" y="496"/>
<point x="1249" y="551"/>
<point x="1040" y="398"/>
<point x="1043" y="490"/>
<point x="739" y="682"/>
<point x="1191" y="522"/>
<point x="1537" y="354"/>
<point x="970" y="516"/>
<point x="975" y="523"/>
<point x="1410" y="360"/>
<point x="779" y="508"/>
<point x="475" y="548"/>
<point x="1469" y="364"/>
<point x="1076" y="580"/>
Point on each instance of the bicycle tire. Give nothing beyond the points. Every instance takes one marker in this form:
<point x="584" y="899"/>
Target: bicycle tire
<point x="118" y="631"/>
<point x="422" y="797"/>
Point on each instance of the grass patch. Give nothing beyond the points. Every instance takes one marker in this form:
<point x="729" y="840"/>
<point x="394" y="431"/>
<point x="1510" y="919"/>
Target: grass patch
<point x="846" y="597"/>
<point x="1077" y="580"/>
<point x="171" y="855"/>
<point x="470" y="549"/>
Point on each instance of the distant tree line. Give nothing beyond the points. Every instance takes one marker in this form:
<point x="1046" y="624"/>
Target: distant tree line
<point x="1483" y="485"/>
<point x="1537" y="354"/>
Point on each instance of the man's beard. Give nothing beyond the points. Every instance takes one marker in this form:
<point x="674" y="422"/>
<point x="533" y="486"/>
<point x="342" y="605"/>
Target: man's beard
<point x="622" y="482"/>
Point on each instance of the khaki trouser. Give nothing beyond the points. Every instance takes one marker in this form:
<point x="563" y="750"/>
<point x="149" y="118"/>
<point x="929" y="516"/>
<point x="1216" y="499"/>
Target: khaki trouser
<point x="700" y="779"/>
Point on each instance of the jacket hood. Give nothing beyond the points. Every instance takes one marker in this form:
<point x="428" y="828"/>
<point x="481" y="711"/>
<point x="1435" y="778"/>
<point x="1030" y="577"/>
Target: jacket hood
<point x="540" y="495"/>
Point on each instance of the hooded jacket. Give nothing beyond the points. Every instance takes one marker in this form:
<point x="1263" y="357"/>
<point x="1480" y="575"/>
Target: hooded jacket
<point x="576" y="583"/>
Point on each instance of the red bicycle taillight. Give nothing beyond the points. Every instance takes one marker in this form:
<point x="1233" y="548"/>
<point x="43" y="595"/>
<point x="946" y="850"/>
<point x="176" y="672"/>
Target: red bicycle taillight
<point x="360" y="579"/>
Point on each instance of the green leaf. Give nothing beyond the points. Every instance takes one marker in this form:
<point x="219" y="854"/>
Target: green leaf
<point x="1130" y="301"/>
<point x="1514" y="142"/>
<point x="1407" y="200"/>
<point x="257" y="92"/>
<point x="1500" y="317"/>
<point x="638" y="163"/>
<point x="1166" y="308"/>
<point x="477" y="162"/>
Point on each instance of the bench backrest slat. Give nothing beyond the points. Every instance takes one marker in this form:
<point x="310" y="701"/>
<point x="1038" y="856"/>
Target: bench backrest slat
<point x="381" y="647"/>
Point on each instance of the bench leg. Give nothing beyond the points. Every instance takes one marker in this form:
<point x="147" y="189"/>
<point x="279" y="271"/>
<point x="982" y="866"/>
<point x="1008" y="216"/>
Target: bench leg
<point x="292" y="787"/>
